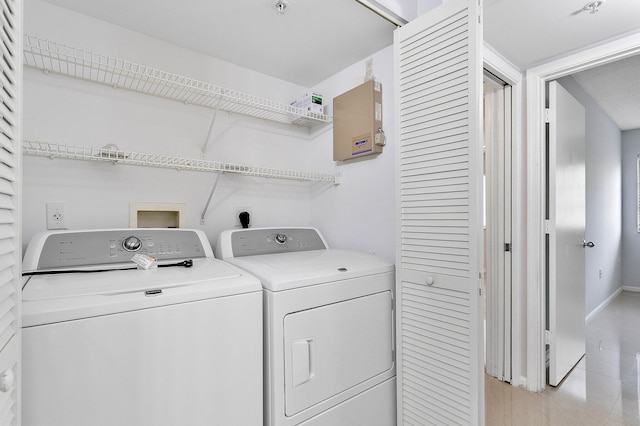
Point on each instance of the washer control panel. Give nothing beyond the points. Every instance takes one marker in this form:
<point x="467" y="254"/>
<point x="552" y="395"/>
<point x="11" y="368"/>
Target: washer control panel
<point x="256" y="241"/>
<point x="85" y="248"/>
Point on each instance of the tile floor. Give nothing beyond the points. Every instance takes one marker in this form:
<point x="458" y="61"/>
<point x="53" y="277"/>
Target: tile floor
<point x="603" y="389"/>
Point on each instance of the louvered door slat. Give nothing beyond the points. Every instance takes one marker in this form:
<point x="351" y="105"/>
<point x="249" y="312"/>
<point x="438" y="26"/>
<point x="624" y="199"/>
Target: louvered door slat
<point x="7" y="86"/>
<point x="9" y="60"/>
<point x="7" y="157"/>
<point x="453" y="142"/>
<point x="6" y="142"/>
<point x="438" y="95"/>
<point x="452" y="85"/>
<point x="6" y="188"/>
<point x="7" y="231"/>
<point x="434" y="206"/>
<point x="454" y="247"/>
<point x="6" y="202"/>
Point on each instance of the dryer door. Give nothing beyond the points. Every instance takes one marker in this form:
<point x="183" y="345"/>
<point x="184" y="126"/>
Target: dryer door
<point x="332" y="348"/>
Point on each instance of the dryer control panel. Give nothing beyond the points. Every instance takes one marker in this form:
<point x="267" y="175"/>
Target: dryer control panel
<point x="257" y="241"/>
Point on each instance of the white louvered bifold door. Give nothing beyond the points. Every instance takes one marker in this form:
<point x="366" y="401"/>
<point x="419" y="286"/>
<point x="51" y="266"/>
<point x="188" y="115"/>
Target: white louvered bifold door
<point x="438" y="87"/>
<point x="10" y="252"/>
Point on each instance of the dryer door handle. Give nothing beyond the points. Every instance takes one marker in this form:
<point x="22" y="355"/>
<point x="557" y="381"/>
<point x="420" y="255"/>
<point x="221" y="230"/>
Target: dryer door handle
<point x="302" y="357"/>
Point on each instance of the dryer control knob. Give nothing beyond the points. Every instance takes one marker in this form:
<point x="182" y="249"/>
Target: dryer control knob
<point x="281" y="238"/>
<point x="131" y="243"/>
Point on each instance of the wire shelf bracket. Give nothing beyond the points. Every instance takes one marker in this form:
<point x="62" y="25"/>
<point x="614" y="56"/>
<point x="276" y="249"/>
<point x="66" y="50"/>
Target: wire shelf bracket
<point x="213" y="121"/>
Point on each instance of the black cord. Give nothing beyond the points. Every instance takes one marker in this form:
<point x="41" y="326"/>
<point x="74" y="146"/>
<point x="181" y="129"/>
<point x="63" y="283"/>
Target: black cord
<point x="186" y="263"/>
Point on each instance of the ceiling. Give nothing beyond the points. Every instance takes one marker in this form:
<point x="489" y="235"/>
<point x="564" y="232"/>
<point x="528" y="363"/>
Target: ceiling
<point x="310" y="42"/>
<point x="615" y="87"/>
<point x="528" y="33"/>
<point x="315" y="39"/>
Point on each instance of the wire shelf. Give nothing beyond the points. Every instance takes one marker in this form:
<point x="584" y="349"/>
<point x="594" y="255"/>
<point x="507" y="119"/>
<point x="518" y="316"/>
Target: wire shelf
<point x="53" y="150"/>
<point x="50" y="56"/>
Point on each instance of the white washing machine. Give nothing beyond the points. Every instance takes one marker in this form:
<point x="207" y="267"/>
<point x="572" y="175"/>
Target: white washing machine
<point x="329" y="327"/>
<point x="106" y="345"/>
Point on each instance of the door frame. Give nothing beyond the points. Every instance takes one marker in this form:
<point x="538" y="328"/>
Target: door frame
<point x="497" y="233"/>
<point x="507" y="72"/>
<point x="536" y="80"/>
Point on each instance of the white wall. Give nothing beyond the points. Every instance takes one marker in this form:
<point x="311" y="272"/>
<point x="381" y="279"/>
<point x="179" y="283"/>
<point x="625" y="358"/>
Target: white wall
<point x="361" y="214"/>
<point x="630" y="235"/>
<point x="96" y="195"/>
<point x="407" y="9"/>
<point x="603" y="198"/>
<point x="426" y="5"/>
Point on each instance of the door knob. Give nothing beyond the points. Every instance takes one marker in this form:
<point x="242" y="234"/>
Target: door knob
<point x="589" y="244"/>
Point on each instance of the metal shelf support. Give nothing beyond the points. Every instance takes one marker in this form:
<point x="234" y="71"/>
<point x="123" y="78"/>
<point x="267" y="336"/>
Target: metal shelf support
<point x="213" y="121"/>
<point x="206" y="206"/>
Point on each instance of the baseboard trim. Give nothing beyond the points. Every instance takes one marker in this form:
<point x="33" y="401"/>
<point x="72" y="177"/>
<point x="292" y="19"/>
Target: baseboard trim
<point x="631" y="288"/>
<point x="520" y="382"/>
<point x="604" y="304"/>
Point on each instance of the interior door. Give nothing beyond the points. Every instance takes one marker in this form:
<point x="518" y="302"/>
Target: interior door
<point x="10" y="240"/>
<point x="566" y="193"/>
<point x="438" y="89"/>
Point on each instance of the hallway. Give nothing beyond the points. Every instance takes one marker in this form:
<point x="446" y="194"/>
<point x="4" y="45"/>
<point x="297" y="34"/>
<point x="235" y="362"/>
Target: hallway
<point x="603" y="389"/>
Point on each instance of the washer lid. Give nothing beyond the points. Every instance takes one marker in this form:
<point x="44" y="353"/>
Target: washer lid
<point x="55" y="298"/>
<point x="287" y="271"/>
<point x="66" y="285"/>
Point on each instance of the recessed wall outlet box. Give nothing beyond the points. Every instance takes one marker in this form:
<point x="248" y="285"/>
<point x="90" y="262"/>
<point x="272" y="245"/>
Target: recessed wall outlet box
<point x="55" y="216"/>
<point x="357" y="120"/>
<point x="157" y="215"/>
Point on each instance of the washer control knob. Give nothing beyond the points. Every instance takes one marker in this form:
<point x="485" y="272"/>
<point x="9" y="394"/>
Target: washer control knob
<point x="281" y="238"/>
<point x="131" y="243"/>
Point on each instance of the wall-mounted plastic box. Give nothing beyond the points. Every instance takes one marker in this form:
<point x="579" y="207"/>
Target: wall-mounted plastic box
<point x="357" y="122"/>
<point x="157" y="215"/>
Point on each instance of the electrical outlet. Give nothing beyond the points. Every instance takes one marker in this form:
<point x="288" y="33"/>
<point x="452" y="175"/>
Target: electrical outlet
<point x="55" y="216"/>
<point x="236" y="215"/>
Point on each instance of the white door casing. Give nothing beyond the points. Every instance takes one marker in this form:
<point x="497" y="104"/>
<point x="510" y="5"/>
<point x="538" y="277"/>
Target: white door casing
<point x="536" y="79"/>
<point x="566" y="263"/>
<point x="438" y="64"/>
<point x="497" y="163"/>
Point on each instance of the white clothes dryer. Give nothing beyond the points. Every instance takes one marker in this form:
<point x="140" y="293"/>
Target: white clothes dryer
<point x="105" y="343"/>
<point x="329" y="327"/>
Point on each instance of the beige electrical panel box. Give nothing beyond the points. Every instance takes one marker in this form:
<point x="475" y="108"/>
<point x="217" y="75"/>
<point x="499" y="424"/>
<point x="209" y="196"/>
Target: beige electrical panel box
<point x="357" y="122"/>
